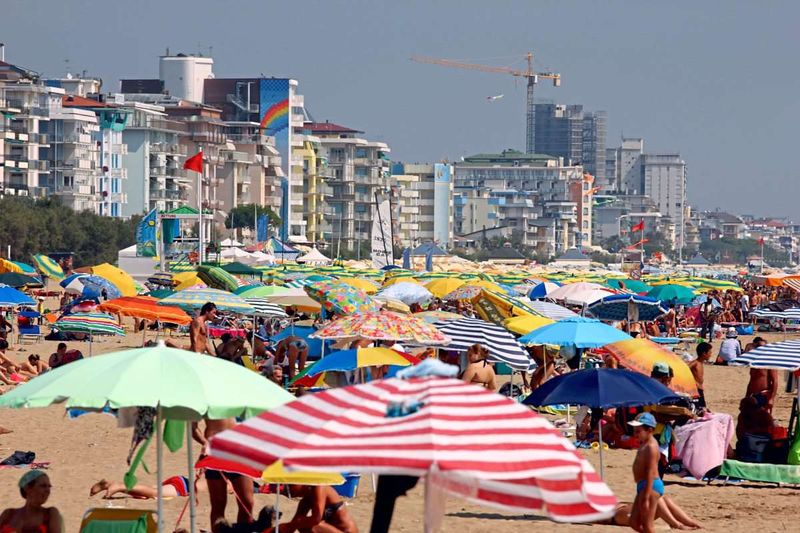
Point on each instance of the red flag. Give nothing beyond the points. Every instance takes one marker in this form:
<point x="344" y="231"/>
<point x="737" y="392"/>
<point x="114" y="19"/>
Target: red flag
<point x="195" y="162"/>
<point x="639" y="226"/>
<point x="761" y="241"/>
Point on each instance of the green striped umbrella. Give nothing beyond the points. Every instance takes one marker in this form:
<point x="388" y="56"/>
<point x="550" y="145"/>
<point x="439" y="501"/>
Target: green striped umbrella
<point x="48" y="267"/>
<point x="191" y="299"/>
<point x="91" y="324"/>
<point x="216" y="278"/>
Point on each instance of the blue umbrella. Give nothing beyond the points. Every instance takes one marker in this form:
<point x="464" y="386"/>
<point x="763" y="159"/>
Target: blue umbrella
<point x="601" y="388"/>
<point x="314" y="345"/>
<point x="11" y="297"/>
<point x="540" y="290"/>
<point x="618" y="307"/>
<point x="577" y="331"/>
<point x="95" y="285"/>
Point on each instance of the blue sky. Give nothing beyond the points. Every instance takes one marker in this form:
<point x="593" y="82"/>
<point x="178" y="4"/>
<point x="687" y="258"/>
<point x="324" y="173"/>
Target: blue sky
<point x="717" y="81"/>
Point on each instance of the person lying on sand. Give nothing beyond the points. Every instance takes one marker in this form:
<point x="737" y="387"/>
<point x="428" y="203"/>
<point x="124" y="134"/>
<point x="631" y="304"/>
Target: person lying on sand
<point x="667" y="510"/>
<point x="170" y="488"/>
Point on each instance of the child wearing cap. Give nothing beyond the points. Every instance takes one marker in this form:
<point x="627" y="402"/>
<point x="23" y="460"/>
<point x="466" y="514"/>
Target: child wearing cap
<point x="649" y="487"/>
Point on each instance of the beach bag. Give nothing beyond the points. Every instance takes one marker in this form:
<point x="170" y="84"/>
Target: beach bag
<point x="751" y="448"/>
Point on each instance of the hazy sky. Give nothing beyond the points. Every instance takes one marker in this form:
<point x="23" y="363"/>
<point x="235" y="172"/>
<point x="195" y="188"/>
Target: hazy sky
<point x="717" y="81"/>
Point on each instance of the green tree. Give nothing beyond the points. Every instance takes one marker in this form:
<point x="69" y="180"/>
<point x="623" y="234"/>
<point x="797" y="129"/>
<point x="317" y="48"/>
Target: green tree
<point x="244" y="216"/>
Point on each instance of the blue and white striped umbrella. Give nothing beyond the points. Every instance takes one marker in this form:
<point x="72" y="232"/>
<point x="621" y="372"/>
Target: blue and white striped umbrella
<point x="769" y="313"/>
<point x="502" y="346"/>
<point x="618" y="307"/>
<point x="266" y="309"/>
<point x="781" y="355"/>
<point x="542" y="289"/>
<point x="551" y="310"/>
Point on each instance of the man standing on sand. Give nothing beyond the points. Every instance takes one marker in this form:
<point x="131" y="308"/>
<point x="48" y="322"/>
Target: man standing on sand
<point x="649" y="487"/>
<point x="762" y="380"/>
<point x="198" y="331"/>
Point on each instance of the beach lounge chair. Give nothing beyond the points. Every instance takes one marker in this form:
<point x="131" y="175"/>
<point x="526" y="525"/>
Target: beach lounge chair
<point x="118" y="520"/>
<point x="28" y="330"/>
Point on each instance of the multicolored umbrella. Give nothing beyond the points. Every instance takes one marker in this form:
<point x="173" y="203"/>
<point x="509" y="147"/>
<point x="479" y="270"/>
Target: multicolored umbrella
<point x="48" y="267"/>
<point x="90" y="323"/>
<point x="347" y="360"/>
<point x="641" y="354"/>
<point x="27" y="269"/>
<point x="341" y="299"/>
<point x="385" y="326"/>
<point x="516" y="459"/>
<point x="192" y="299"/>
<point x="465" y="292"/>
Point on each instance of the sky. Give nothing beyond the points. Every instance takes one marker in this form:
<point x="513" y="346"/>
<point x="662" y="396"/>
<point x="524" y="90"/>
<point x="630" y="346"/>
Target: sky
<point x="717" y="81"/>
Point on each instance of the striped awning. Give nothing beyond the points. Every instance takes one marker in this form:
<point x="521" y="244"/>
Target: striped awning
<point x="780" y="355"/>
<point x="264" y="308"/>
<point x="514" y="460"/>
<point x="793" y="283"/>
<point x="502" y="346"/>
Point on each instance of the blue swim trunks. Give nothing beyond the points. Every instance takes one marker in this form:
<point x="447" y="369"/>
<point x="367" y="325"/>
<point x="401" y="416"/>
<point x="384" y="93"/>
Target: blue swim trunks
<point x="658" y="486"/>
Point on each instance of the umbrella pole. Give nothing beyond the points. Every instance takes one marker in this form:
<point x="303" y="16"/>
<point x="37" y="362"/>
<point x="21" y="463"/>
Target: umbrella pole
<point x="600" y="441"/>
<point x="159" y="473"/>
<point x="191" y="476"/>
<point x="277" y="504"/>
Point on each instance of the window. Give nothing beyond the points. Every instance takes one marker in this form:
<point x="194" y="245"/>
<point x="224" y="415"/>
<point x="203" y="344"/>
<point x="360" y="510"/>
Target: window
<point x="361" y="171"/>
<point x="361" y="152"/>
<point x="586" y="211"/>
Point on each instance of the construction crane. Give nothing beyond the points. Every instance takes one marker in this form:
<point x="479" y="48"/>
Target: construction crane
<point x="529" y="74"/>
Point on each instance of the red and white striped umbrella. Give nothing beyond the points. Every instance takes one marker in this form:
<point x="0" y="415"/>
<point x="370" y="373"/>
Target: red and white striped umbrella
<point x="476" y="444"/>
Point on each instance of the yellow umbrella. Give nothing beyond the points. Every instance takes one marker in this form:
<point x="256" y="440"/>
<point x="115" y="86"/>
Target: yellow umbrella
<point x="487" y="285"/>
<point x="640" y="355"/>
<point x="121" y="279"/>
<point x="524" y="324"/>
<point x="401" y="279"/>
<point x="393" y="304"/>
<point x="276" y="473"/>
<point x="8" y="266"/>
<point x="184" y="280"/>
<point x="440" y="287"/>
<point x="360" y="283"/>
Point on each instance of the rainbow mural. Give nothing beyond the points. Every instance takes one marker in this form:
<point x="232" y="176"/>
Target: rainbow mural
<point x="276" y="118"/>
<point x="274" y="106"/>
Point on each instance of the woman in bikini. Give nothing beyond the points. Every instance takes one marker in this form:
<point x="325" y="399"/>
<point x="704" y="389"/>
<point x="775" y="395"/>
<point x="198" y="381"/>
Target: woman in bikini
<point x="479" y="371"/>
<point x="320" y="510"/>
<point x="175" y="486"/>
<point x="33" y="517"/>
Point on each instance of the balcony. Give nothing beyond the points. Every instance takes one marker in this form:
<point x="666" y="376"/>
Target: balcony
<point x="238" y="157"/>
<point x="250" y="138"/>
<point x="166" y="194"/>
<point x="121" y="173"/>
<point x="28" y="108"/>
<point x="167" y="148"/>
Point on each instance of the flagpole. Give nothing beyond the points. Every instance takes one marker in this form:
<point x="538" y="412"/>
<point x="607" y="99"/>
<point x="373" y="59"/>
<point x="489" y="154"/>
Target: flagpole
<point x="200" y="176"/>
<point x="762" y="255"/>
<point x="641" y="260"/>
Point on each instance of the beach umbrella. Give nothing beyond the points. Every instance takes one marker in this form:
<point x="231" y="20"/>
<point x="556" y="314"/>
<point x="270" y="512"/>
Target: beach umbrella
<point x="631" y="285"/>
<point x="640" y="355"/>
<point x="7" y="266"/>
<point x="146" y="307"/>
<point x="627" y="307"/>
<point x="579" y="332"/>
<point x="348" y="360"/>
<point x="362" y="284"/>
<point x="465" y="292"/>
<point x="193" y="299"/>
<point x="551" y="310"/>
<point x="145" y="377"/>
<point x="159" y="294"/>
<point x="162" y="279"/>
<point x="118" y="277"/>
<point x="341" y="299"/>
<point x="441" y="286"/>
<point x="216" y="278"/>
<point x="580" y="293"/>
<point x="90" y="286"/>
<point x="299" y="300"/>
<point x="391" y="304"/>
<point x="263" y="291"/>
<point x="48" y="267"/>
<point x="384" y="326"/>
<point x="542" y="289"/>
<point x="783" y="355"/>
<point x="184" y="280"/>
<point x="524" y="324"/>
<point x="400" y="279"/>
<point x="17" y="280"/>
<point x="515" y="460"/>
<point x="502" y="346"/>
<point x="672" y="293"/>
<point x="11" y="297"/>
<point x="408" y="293"/>
<point x="264" y="308"/>
<point x="601" y="388"/>
<point x="91" y="324"/>
<point x="437" y="316"/>
<point x="27" y="269"/>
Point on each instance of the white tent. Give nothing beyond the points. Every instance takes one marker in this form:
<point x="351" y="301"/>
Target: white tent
<point x="261" y="257"/>
<point x="314" y="257"/>
<point x="230" y="242"/>
<point x="237" y="254"/>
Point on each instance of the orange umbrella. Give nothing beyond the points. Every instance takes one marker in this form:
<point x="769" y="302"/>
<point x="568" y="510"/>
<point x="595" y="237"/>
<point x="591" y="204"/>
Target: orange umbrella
<point x="640" y="355"/>
<point x="146" y="307"/>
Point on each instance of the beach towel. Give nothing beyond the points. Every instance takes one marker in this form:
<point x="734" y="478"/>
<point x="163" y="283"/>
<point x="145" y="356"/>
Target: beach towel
<point x="702" y="445"/>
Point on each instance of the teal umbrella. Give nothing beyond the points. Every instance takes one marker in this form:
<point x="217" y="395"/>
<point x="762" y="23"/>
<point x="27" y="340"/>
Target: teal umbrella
<point x="146" y="377"/>
<point x="672" y="293"/>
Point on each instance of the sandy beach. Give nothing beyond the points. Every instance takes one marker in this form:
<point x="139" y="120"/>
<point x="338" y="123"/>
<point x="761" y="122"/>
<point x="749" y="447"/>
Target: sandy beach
<point x="89" y="448"/>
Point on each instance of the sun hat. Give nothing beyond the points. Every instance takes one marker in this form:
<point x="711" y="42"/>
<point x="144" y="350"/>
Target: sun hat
<point x="661" y="370"/>
<point x="731" y="333"/>
<point x="643" y="419"/>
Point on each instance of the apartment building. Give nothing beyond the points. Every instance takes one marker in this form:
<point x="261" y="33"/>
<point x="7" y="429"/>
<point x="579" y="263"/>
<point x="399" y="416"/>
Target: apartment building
<point x="75" y="158"/>
<point x="424" y="203"/>
<point x="357" y="170"/>
<point x="538" y="195"/>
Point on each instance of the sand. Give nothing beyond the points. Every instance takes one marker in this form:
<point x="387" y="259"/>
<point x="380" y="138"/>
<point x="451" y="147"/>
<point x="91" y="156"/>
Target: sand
<point x="89" y="448"/>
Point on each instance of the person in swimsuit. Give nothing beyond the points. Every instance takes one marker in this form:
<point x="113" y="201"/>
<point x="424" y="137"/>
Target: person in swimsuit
<point x="33" y="517"/>
<point x="170" y="488"/>
<point x="292" y="351"/>
<point x="479" y="371"/>
<point x="320" y="510"/>
<point x="198" y="331"/>
<point x="649" y="487"/>
<point x="667" y="510"/>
